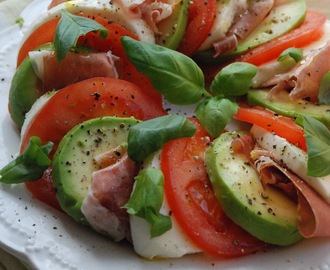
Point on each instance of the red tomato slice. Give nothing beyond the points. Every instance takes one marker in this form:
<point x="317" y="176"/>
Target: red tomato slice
<point x="81" y="101"/>
<point x="284" y="127"/>
<point x="45" y="33"/>
<point x="310" y="30"/>
<point x="193" y="202"/>
<point x="200" y="20"/>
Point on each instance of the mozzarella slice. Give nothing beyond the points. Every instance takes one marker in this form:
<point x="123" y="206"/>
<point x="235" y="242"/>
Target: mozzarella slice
<point x="36" y="107"/>
<point x="293" y="157"/>
<point x="102" y="8"/>
<point x="225" y="13"/>
<point x="172" y="244"/>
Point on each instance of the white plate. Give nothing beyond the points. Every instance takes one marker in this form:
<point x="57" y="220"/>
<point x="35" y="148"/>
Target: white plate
<point x="48" y="239"/>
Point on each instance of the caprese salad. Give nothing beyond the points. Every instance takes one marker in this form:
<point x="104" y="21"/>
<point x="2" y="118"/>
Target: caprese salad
<point x="100" y="97"/>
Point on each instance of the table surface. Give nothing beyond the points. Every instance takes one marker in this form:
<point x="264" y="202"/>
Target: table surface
<point x="7" y="262"/>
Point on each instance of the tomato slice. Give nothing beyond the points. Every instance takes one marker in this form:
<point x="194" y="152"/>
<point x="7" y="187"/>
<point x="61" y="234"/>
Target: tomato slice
<point x="78" y="102"/>
<point x="193" y="202"/>
<point x="284" y="127"/>
<point x="45" y="33"/>
<point x="42" y="35"/>
<point x="310" y="30"/>
<point x="200" y="20"/>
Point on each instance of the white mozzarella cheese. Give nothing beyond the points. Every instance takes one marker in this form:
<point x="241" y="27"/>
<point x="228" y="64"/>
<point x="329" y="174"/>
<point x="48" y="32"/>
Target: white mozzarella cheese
<point x="172" y="244"/>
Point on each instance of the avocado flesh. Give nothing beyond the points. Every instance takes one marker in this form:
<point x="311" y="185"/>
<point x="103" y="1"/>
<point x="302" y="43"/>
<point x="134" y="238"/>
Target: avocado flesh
<point x="25" y="89"/>
<point x="281" y="104"/>
<point x="280" y="20"/>
<point x="267" y="214"/>
<point x="73" y="163"/>
<point x="173" y="28"/>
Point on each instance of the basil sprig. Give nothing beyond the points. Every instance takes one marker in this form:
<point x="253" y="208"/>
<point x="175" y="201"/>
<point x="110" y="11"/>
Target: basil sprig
<point x="147" y="137"/>
<point x="172" y="74"/>
<point x="28" y="166"/>
<point x="179" y="79"/>
<point x="69" y="29"/>
<point x="146" y="201"/>
<point x="317" y="137"/>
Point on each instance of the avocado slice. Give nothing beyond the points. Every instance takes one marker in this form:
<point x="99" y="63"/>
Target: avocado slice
<point x="25" y="89"/>
<point x="268" y="214"/>
<point x="282" y="104"/>
<point x="73" y="162"/>
<point x="173" y="28"/>
<point x="280" y="20"/>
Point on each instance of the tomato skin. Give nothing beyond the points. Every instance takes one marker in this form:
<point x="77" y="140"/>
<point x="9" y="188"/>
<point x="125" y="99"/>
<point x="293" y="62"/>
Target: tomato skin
<point x="193" y="202"/>
<point x="284" y="127"/>
<point x="200" y="20"/>
<point x="42" y="35"/>
<point x="43" y="190"/>
<point x="76" y="103"/>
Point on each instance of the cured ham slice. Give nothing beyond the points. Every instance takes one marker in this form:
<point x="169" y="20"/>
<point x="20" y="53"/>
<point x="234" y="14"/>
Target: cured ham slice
<point x="110" y="189"/>
<point x="246" y="17"/>
<point x="314" y="218"/>
<point x="246" y="20"/>
<point x="152" y="11"/>
<point x="73" y="68"/>
<point x="304" y="79"/>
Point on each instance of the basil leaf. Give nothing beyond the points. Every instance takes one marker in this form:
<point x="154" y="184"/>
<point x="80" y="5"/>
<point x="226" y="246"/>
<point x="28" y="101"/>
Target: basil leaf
<point x="172" y="74"/>
<point x="234" y="79"/>
<point x="215" y="113"/>
<point x="69" y="29"/>
<point x="146" y="201"/>
<point x="294" y="53"/>
<point x="30" y="165"/>
<point x="147" y="137"/>
<point x="317" y="138"/>
<point x="324" y="91"/>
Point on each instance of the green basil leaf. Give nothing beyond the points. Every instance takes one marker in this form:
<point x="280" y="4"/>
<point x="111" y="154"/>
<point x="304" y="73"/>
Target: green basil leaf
<point x="146" y="201"/>
<point x="69" y="29"/>
<point x="172" y="74"/>
<point x="234" y="79"/>
<point x="318" y="147"/>
<point x="294" y="53"/>
<point x="30" y="165"/>
<point x="324" y="91"/>
<point x="215" y="113"/>
<point x="147" y="137"/>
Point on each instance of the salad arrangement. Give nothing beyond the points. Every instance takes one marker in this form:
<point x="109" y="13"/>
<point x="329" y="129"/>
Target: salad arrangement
<point x="210" y="188"/>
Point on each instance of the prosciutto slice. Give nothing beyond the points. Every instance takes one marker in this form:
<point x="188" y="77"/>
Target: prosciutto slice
<point x="110" y="189"/>
<point x="303" y="81"/>
<point x="314" y="218"/>
<point x="73" y="68"/>
<point x="248" y="15"/>
<point x="152" y="11"/>
<point x="246" y="20"/>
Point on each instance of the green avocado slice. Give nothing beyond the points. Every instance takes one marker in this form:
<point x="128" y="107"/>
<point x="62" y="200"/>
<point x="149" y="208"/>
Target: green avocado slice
<point x="172" y="29"/>
<point x="282" y="104"/>
<point x="268" y="214"/>
<point x="73" y="162"/>
<point x="25" y="89"/>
